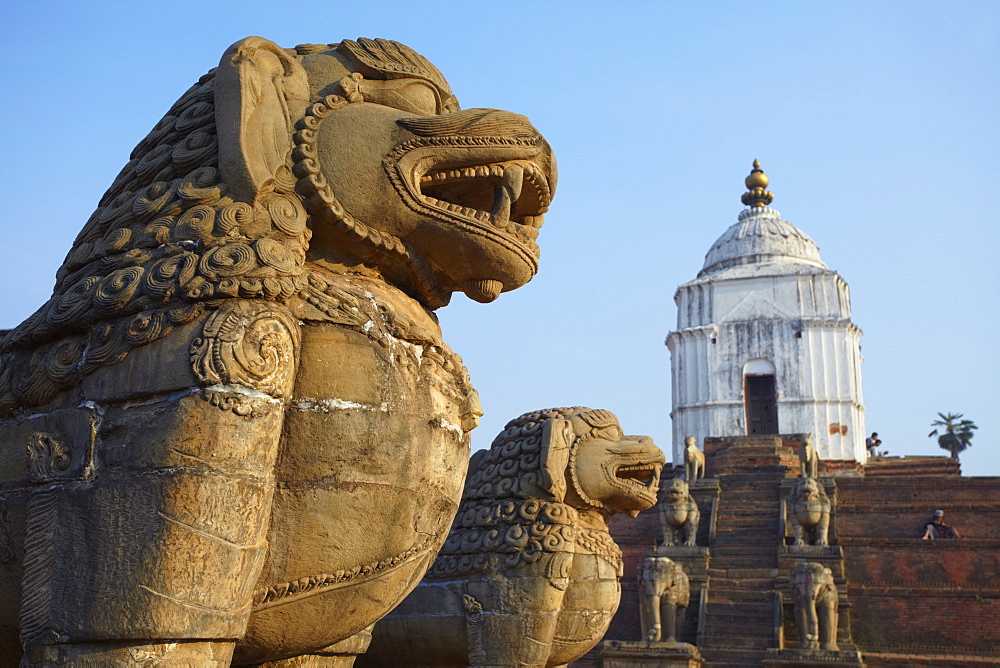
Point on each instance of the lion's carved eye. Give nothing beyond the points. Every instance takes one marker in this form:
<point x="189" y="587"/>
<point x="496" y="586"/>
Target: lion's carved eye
<point x="613" y="433"/>
<point x="410" y="95"/>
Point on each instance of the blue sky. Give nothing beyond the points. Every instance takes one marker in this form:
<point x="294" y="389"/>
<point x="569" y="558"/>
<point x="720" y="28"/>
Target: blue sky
<point x="876" y="121"/>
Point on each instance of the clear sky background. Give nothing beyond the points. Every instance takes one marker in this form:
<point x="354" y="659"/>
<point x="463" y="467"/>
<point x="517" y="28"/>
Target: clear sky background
<point x="878" y="123"/>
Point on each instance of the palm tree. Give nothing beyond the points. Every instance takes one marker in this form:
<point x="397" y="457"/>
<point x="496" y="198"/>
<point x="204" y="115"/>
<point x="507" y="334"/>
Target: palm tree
<point x="957" y="434"/>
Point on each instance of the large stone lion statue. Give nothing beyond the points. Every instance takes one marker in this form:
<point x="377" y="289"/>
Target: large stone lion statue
<point x="809" y="513"/>
<point x="529" y="573"/>
<point x="234" y="434"/>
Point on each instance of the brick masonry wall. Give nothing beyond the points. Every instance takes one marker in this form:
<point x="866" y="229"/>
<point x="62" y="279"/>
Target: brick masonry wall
<point x="900" y="508"/>
<point x="914" y="596"/>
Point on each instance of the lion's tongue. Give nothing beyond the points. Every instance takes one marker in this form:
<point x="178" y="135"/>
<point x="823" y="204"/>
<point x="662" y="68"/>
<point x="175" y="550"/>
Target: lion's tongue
<point x="505" y="194"/>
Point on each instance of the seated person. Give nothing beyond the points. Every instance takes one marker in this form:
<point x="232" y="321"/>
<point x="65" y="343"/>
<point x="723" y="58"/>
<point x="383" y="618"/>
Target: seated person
<point x="938" y="529"/>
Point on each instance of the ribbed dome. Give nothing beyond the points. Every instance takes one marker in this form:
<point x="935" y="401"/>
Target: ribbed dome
<point x="759" y="236"/>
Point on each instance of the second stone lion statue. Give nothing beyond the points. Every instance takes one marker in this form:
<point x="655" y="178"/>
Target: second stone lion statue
<point x="679" y="514"/>
<point x="529" y="574"/>
<point x="809" y="513"/>
<point x="234" y="434"/>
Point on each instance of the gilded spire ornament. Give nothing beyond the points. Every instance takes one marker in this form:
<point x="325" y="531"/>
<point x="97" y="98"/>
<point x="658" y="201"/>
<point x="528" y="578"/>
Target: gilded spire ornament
<point x="757" y="195"/>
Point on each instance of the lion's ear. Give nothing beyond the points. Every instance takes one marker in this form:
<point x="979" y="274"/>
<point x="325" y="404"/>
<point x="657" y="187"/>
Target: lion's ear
<point x="557" y="435"/>
<point x="260" y="91"/>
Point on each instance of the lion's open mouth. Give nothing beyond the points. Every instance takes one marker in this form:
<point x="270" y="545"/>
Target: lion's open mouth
<point x="643" y="475"/>
<point x="504" y="195"/>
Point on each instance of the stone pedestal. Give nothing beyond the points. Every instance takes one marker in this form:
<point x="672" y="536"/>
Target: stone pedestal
<point x="643" y="654"/>
<point x="811" y="657"/>
<point x="831" y="556"/>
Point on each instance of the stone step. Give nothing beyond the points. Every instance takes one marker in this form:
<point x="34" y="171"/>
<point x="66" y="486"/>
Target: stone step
<point x="731" y="539"/>
<point x="732" y="641"/>
<point x="768" y="520"/>
<point x="754" y="550"/>
<point x="756" y="449"/>
<point x="733" y="544"/>
<point x="746" y="536"/>
<point x="748" y="498"/>
<point x="740" y="574"/>
<point x="721" y="657"/>
<point x="747" y="533"/>
<point x="741" y="595"/>
<point x="765" y="480"/>
<point x="768" y="509"/>
<point x="771" y="487"/>
<point x="753" y="516"/>
<point x="743" y="562"/>
<point x="732" y="607"/>
<point x="759" y="596"/>
<point x="729" y="486"/>
<point x="726" y="559"/>
<point x="767" y="467"/>
<point x="770" y="530"/>
<point x="748" y="510"/>
<point x="726" y="585"/>
<point x="749" y="627"/>
<point x="749" y="624"/>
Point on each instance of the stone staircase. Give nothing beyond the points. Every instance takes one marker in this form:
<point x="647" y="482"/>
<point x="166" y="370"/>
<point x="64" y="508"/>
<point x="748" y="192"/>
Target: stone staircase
<point x="739" y="622"/>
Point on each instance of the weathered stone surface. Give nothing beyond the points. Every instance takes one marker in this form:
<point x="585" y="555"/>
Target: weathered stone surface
<point x="234" y="429"/>
<point x="529" y="574"/>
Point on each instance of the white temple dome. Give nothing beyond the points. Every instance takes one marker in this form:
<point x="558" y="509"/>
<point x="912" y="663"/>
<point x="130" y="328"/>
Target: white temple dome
<point x="764" y="342"/>
<point x="761" y="236"/>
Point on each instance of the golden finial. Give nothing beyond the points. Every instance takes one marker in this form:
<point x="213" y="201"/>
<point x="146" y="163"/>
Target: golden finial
<point x="757" y="196"/>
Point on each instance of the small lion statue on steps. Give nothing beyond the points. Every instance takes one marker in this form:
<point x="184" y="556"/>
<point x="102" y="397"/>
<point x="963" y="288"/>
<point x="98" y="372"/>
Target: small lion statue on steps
<point x="694" y="460"/>
<point x="529" y="574"/>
